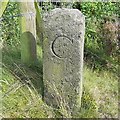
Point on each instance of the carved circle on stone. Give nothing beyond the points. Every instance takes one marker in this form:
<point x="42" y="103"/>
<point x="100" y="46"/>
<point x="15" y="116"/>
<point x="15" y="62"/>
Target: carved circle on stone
<point x="61" y="46"/>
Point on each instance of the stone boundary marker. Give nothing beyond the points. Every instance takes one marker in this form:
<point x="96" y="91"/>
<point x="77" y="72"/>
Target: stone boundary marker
<point x="63" y="59"/>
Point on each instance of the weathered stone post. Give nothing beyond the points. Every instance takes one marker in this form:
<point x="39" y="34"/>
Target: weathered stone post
<point x="63" y="59"/>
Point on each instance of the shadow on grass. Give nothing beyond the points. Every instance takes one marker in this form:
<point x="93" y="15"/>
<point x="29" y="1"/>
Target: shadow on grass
<point x="28" y="74"/>
<point x="97" y="60"/>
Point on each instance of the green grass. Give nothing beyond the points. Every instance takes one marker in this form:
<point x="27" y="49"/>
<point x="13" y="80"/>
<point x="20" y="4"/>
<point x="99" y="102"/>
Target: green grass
<point x="22" y="89"/>
<point x="103" y="86"/>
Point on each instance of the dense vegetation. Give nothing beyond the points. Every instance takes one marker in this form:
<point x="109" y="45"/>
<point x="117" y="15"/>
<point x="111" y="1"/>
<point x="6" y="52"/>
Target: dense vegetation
<point x="22" y="84"/>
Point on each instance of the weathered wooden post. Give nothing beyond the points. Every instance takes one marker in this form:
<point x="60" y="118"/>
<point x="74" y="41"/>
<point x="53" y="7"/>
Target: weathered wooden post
<point x="28" y="31"/>
<point x="63" y="59"/>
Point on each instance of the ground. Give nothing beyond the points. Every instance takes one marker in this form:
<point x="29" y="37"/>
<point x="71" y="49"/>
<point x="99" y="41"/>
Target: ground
<point x="22" y="90"/>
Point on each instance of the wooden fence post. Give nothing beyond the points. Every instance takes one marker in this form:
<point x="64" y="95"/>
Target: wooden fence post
<point x="28" y="31"/>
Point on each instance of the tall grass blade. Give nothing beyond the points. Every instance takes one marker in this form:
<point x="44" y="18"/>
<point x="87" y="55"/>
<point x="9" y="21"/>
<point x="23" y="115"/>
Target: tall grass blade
<point x="3" y="5"/>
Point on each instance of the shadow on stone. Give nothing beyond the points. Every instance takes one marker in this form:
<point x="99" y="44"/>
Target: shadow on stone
<point x="28" y="48"/>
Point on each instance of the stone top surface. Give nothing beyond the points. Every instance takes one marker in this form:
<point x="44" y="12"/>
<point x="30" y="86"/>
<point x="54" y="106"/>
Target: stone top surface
<point x="74" y="13"/>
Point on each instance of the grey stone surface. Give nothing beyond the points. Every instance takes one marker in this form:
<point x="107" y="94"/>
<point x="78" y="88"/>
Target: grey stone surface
<point x="63" y="59"/>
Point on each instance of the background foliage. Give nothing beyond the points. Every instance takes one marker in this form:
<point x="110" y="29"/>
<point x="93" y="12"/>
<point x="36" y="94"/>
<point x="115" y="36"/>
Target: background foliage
<point x="97" y="36"/>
